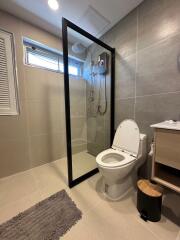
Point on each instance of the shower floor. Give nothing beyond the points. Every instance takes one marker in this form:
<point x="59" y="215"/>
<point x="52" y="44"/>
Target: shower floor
<point x="83" y="162"/>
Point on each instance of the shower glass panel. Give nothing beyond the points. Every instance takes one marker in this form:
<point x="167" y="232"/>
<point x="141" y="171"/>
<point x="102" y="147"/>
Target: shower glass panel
<point x="89" y="81"/>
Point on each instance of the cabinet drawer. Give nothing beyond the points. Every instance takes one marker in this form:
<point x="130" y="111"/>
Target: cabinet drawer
<point x="167" y="147"/>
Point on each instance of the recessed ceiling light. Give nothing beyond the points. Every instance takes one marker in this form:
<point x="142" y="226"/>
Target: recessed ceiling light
<point x="53" y="4"/>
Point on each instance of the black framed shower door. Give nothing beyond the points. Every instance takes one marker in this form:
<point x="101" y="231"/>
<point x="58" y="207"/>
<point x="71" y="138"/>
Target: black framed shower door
<point x="65" y="25"/>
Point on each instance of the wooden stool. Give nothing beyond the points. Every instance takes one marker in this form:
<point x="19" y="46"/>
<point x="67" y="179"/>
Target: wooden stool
<point x="149" y="200"/>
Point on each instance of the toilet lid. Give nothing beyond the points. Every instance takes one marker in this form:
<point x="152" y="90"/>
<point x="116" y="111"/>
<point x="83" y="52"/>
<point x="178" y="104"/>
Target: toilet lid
<point x="127" y="137"/>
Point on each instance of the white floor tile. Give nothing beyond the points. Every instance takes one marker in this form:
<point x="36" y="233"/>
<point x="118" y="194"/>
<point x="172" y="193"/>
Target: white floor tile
<point x="102" y="219"/>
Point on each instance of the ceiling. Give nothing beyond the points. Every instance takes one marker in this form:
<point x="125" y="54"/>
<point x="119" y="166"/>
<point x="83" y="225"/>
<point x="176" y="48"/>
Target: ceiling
<point x="94" y="16"/>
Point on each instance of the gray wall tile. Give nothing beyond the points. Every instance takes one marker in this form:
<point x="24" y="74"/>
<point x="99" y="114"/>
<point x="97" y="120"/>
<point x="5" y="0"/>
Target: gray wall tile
<point x="159" y="67"/>
<point x="125" y="76"/>
<point x="156" y="108"/>
<point x="158" y="19"/>
<point x="124" y="109"/>
<point x="123" y="35"/>
<point x="149" y="68"/>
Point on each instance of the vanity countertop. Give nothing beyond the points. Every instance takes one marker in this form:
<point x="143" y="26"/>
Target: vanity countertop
<point x="167" y="125"/>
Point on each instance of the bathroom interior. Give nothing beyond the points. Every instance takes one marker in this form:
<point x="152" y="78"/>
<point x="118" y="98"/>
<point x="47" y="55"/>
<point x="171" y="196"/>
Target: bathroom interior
<point x="89" y="119"/>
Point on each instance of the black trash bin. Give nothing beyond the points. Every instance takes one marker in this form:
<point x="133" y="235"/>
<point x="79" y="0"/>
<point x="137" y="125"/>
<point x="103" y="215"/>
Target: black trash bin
<point x="149" y="200"/>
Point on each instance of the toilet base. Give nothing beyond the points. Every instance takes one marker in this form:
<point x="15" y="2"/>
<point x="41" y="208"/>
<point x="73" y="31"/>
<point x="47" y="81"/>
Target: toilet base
<point x="120" y="197"/>
<point x="116" y="191"/>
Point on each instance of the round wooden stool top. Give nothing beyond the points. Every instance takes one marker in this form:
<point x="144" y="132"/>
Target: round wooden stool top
<point x="149" y="188"/>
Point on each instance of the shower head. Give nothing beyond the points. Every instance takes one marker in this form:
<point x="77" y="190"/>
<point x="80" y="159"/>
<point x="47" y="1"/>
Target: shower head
<point x="78" y="48"/>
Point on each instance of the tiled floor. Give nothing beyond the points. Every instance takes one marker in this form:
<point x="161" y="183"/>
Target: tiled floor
<point x="101" y="220"/>
<point x="83" y="162"/>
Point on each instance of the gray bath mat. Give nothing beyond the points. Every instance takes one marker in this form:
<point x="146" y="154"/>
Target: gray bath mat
<point x="47" y="220"/>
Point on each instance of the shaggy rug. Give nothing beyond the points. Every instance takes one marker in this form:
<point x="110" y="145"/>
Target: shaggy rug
<point x="47" y="220"/>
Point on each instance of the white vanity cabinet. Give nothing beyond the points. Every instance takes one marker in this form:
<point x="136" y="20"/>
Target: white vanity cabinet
<point x="166" y="157"/>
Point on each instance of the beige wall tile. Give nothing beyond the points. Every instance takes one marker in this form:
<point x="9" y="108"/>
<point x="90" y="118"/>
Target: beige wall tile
<point x="40" y="35"/>
<point x="42" y="84"/>
<point x="45" y="117"/>
<point x="14" y="156"/>
<point x="14" y="127"/>
<point x="46" y="148"/>
<point x="77" y="106"/>
<point x="78" y="148"/>
<point x="41" y="97"/>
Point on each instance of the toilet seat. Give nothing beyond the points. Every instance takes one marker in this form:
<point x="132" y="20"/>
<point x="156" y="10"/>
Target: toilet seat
<point x="127" y="137"/>
<point x="125" y="146"/>
<point x="112" y="158"/>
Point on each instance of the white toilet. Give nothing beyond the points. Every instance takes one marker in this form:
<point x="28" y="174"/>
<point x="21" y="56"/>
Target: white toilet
<point x="118" y="165"/>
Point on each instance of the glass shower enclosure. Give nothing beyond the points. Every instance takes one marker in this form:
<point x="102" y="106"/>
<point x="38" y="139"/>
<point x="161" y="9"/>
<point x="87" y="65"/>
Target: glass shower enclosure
<point x="89" y="78"/>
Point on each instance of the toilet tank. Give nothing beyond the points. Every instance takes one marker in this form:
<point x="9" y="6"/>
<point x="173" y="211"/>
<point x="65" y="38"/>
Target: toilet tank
<point x="142" y="146"/>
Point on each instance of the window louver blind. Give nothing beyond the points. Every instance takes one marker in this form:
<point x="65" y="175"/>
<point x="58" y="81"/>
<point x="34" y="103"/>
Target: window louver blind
<point x="8" y="101"/>
<point x="40" y="55"/>
<point x="4" y="86"/>
<point x="42" y="58"/>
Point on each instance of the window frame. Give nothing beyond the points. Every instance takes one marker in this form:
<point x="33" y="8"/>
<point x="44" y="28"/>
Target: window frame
<point x="13" y="111"/>
<point x="27" y="42"/>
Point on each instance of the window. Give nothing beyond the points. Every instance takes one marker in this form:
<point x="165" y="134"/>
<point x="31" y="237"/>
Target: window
<point x="8" y="78"/>
<point x="39" y="55"/>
